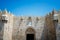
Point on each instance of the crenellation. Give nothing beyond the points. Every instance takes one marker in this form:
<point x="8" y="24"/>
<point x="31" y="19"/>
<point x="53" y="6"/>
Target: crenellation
<point x="40" y="27"/>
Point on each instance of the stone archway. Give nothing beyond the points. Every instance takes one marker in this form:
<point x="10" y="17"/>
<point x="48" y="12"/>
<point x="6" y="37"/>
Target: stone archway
<point x="30" y="34"/>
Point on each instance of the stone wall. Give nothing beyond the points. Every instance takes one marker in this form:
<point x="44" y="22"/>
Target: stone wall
<point x="50" y="32"/>
<point x="15" y="27"/>
<point x="20" y="27"/>
<point x="58" y="27"/>
<point x="8" y="25"/>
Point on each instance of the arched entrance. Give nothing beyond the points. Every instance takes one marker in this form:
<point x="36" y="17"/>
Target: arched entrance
<point x="30" y="34"/>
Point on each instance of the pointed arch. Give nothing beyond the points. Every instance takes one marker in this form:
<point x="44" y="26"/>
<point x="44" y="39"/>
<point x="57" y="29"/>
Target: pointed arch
<point x="30" y="34"/>
<point x="30" y="30"/>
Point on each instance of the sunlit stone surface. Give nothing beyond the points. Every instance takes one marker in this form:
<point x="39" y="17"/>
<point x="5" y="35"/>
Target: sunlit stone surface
<point x="20" y="28"/>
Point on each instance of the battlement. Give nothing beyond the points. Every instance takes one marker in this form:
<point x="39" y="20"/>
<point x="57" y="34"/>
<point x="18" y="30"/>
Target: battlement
<point x="4" y="15"/>
<point x="16" y="26"/>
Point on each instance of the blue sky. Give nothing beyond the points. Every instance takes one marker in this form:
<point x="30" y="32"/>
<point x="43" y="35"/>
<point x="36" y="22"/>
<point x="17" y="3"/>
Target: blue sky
<point x="30" y="7"/>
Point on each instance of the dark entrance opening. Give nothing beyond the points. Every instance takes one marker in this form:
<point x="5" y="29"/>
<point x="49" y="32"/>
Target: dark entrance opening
<point x="30" y="37"/>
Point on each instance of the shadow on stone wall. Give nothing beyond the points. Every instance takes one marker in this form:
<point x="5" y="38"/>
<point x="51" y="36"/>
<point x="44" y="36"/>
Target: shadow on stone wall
<point x="1" y="30"/>
<point x="48" y="34"/>
<point x="43" y="36"/>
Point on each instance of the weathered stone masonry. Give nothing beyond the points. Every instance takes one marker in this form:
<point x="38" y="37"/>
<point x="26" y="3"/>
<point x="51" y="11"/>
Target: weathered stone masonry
<point x="18" y="28"/>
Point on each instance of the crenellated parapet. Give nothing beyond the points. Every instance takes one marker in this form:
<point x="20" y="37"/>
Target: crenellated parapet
<point x="15" y="26"/>
<point x="4" y="15"/>
<point x="20" y="24"/>
<point x="6" y="22"/>
<point x="50" y="21"/>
